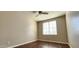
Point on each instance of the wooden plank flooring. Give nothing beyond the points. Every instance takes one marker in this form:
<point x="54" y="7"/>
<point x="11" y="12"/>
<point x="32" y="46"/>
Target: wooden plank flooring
<point x="42" y="44"/>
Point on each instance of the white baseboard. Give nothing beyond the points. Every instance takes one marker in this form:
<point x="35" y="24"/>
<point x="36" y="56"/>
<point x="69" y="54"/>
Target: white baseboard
<point x="22" y="44"/>
<point x="70" y="45"/>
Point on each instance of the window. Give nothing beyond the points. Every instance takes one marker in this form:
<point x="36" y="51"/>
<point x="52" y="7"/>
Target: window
<point x="50" y="28"/>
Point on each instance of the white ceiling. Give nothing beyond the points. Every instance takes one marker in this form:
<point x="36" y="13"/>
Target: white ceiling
<point x="51" y="14"/>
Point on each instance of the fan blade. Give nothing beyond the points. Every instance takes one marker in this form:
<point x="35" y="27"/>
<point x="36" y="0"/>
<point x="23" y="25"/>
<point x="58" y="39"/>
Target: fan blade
<point x="41" y="12"/>
<point x="44" y="13"/>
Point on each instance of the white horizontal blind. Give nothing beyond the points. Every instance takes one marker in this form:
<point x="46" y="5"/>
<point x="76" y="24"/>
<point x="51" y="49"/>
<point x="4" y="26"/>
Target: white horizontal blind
<point x="50" y="28"/>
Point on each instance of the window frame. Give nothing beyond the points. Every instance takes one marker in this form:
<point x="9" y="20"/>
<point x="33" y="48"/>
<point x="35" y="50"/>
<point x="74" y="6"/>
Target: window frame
<point x="48" y="33"/>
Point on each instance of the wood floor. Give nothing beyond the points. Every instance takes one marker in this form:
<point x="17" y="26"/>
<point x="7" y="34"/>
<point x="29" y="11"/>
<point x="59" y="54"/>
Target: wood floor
<point x="42" y="44"/>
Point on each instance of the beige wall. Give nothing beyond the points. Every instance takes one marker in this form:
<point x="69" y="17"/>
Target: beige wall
<point x="72" y="20"/>
<point x="61" y="36"/>
<point x="16" y="28"/>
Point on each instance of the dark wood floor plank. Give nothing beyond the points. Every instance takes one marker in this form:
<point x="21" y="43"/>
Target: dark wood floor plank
<point x="42" y="44"/>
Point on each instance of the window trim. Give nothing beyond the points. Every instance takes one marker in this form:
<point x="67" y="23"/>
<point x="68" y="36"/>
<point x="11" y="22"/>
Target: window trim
<point x="49" y="28"/>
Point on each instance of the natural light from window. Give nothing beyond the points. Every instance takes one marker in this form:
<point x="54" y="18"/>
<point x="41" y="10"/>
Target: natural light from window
<point x="50" y="28"/>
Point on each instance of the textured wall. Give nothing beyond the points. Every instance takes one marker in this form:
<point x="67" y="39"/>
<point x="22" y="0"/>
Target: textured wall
<point x="72" y="19"/>
<point x="61" y="36"/>
<point x="16" y="28"/>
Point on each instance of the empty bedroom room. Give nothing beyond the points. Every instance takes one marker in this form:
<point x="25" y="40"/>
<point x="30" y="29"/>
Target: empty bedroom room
<point x="35" y="29"/>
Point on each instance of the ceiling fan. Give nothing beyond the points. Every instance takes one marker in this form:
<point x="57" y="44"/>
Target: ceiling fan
<point x="40" y="13"/>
